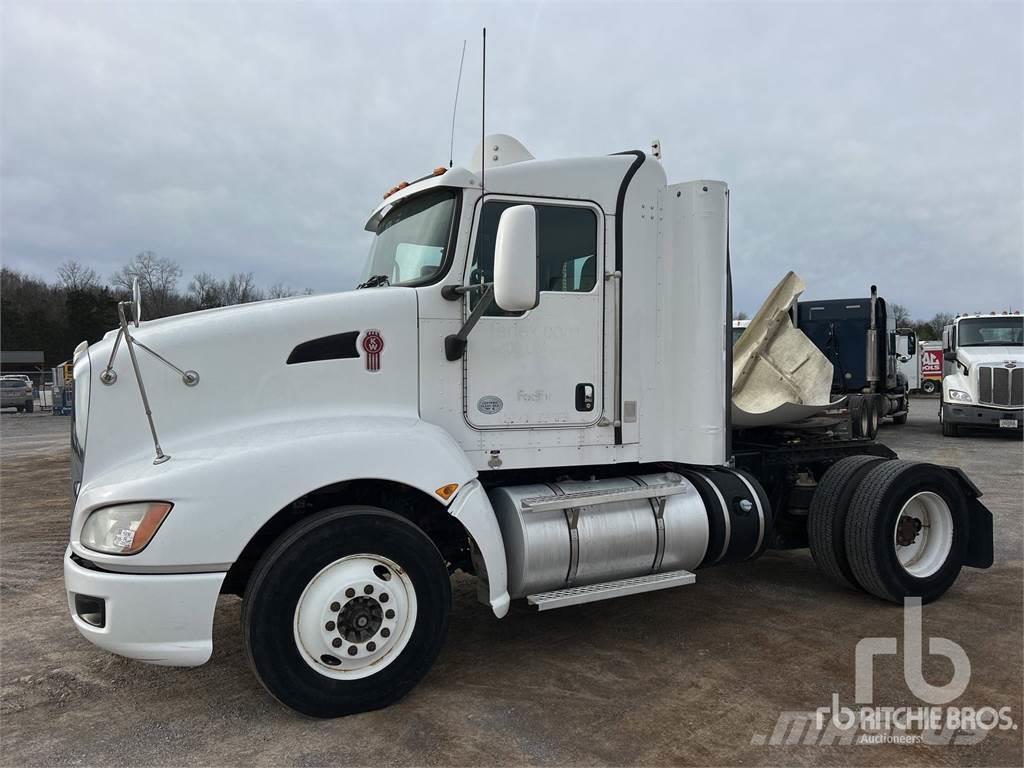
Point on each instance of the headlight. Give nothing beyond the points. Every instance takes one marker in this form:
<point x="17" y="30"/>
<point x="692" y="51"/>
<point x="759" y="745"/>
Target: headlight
<point x="960" y="397"/>
<point x="123" y="529"/>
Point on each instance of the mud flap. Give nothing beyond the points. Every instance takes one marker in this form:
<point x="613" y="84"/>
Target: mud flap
<point x="979" y="541"/>
<point x="979" y="535"/>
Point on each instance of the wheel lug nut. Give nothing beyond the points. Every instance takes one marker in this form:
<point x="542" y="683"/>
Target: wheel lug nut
<point x="335" y="607"/>
<point x="385" y="632"/>
<point x="384" y="597"/>
<point x="336" y="642"/>
<point x="371" y="646"/>
<point x="352" y="650"/>
<point x="329" y="626"/>
<point x="389" y="613"/>
<point x="368" y="589"/>
<point x="350" y="592"/>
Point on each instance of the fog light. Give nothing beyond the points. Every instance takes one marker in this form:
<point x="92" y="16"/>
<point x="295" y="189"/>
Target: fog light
<point x="91" y="610"/>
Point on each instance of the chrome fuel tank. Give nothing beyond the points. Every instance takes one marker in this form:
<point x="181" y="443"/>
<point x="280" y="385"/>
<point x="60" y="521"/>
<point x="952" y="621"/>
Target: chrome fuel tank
<point x="574" y="533"/>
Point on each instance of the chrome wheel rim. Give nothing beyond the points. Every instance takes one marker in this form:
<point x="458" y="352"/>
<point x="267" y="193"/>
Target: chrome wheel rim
<point x="355" y="616"/>
<point x="923" y="534"/>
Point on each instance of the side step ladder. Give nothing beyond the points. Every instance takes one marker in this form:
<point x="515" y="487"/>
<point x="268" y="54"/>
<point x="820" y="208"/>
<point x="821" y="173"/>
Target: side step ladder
<point x="560" y="598"/>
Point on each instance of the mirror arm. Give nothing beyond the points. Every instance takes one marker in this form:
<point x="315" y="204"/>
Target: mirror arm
<point x="455" y="292"/>
<point x="455" y="343"/>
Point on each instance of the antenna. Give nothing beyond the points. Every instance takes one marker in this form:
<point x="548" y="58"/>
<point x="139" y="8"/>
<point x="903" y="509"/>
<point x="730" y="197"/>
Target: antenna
<point x="483" y="114"/>
<point x="458" y="84"/>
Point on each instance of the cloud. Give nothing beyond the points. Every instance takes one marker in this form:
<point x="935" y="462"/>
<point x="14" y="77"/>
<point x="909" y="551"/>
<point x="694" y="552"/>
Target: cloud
<point x="862" y="143"/>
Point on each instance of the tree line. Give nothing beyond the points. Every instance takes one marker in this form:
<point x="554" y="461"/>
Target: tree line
<point x="79" y="305"/>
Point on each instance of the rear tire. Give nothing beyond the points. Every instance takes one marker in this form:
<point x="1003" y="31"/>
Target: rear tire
<point x="900" y="418"/>
<point x="860" y="419"/>
<point x="894" y="557"/>
<point x="826" y="523"/>
<point x="30" y="407"/>
<point x="928" y="387"/>
<point x="346" y="612"/>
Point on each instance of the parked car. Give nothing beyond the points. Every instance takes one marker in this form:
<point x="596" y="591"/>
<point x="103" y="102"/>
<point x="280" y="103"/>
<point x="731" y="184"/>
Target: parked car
<point x="16" y="392"/>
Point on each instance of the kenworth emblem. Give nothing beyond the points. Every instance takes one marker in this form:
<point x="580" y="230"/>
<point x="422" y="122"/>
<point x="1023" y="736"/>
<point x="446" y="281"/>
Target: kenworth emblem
<point x="373" y="345"/>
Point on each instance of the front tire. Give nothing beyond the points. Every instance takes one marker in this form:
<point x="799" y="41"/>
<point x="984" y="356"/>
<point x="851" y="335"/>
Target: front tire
<point x="906" y="531"/>
<point x="346" y="612"/>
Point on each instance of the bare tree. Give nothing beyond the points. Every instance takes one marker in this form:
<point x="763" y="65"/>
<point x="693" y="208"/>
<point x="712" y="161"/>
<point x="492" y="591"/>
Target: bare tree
<point x="77" y="277"/>
<point x="901" y="315"/>
<point x="741" y="316"/>
<point x="279" y="291"/>
<point x="206" y="291"/>
<point x="158" y="278"/>
<point x="937" y="323"/>
<point x="241" y="288"/>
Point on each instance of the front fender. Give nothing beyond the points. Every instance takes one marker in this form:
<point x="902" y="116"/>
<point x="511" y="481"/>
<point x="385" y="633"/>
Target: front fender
<point x="224" y="487"/>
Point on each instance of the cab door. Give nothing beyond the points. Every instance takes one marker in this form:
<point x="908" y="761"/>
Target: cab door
<point x="542" y="367"/>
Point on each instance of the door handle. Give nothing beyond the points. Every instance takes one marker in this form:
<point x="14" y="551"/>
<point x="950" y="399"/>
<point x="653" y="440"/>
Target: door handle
<point x="584" y="397"/>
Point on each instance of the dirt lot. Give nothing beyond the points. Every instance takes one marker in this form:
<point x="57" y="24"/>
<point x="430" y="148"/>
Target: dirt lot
<point x="693" y="676"/>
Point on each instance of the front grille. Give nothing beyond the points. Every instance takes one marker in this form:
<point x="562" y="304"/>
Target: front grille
<point x="1000" y="386"/>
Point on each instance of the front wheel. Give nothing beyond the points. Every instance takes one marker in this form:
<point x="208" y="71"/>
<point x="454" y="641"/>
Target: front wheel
<point x="346" y="612"/>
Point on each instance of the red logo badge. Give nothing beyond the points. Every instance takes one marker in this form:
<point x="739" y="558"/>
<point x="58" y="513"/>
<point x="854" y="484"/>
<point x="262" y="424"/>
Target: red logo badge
<point x="373" y="345"/>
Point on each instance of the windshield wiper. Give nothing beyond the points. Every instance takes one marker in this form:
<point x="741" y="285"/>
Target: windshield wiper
<point x="375" y="282"/>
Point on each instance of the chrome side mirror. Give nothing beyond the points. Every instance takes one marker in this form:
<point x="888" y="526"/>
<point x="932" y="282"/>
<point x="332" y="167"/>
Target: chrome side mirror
<point x="515" y="259"/>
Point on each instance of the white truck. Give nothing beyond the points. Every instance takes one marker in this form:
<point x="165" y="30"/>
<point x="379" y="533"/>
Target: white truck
<point x="983" y="372"/>
<point x="533" y="388"/>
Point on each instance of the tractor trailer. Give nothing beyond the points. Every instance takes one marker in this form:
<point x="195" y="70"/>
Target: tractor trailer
<point x="533" y="387"/>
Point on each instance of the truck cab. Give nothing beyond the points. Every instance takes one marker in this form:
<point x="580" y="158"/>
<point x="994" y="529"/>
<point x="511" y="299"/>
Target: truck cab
<point x="983" y="372"/>
<point x="860" y="338"/>
<point x="532" y="386"/>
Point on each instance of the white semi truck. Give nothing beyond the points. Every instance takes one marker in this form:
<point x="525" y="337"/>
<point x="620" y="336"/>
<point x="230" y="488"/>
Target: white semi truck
<point x="983" y="372"/>
<point x="534" y="388"/>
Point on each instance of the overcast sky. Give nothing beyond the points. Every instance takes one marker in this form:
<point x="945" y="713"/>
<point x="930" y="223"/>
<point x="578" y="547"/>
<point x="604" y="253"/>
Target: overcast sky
<point x="862" y="143"/>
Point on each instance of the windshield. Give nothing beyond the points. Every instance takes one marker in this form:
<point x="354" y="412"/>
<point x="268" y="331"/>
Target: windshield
<point x="1005" y="331"/>
<point x="412" y="239"/>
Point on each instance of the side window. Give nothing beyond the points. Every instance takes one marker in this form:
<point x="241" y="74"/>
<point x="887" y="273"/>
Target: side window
<point x="566" y="248"/>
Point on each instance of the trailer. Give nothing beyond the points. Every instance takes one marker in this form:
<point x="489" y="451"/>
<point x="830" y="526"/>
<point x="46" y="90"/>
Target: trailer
<point x="533" y="386"/>
<point x="862" y="341"/>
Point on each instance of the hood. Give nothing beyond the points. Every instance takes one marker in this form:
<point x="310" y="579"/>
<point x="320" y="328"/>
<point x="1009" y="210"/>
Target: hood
<point x="971" y="356"/>
<point x="257" y="364"/>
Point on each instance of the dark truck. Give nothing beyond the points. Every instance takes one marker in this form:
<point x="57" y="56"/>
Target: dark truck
<point x="860" y="338"/>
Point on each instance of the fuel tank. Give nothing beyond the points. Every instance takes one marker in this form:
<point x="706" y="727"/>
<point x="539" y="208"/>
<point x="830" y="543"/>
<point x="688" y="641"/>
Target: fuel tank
<point x="571" y="533"/>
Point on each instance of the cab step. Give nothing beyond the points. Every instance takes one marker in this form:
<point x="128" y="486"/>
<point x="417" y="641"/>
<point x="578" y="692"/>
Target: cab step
<point x="561" y="598"/>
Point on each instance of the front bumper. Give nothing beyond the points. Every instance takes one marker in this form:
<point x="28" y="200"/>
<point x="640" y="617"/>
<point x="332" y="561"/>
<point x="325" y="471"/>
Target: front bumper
<point x="978" y="416"/>
<point x="157" y="618"/>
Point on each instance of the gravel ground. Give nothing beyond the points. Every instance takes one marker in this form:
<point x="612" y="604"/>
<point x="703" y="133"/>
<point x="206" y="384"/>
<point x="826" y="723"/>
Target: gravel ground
<point x="693" y="676"/>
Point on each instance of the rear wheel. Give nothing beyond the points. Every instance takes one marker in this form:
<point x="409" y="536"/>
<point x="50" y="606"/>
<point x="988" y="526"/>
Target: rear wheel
<point x="900" y="418"/>
<point x="928" y="386"/>
<point x="860" y="418"/>
<point x="826" y="524"/>
<point x="30" y="406"/>
<point x="906" y="531"/>
<point x="346" y="612"/>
